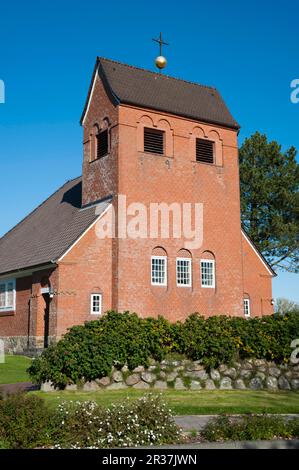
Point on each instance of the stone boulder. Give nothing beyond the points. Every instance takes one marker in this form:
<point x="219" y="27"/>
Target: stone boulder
<point x="230" y="372"/>
<point x="274" y="371"/>
<point x="141" y="386"/>
<point x="91" y="386"/>
<point x="215" y="375"/>
<point x="171" y="376"/>
<point x="104" y="381"/>
<point x="148" y="377"/>
<point x="160" y="384"/>
<point x="283" y="383"/>
<point x="295" y="384"/>
<point x="256" y="383"/>
<point x="179" y="384"/>
<point x="117" y="376"/>
<point x="47" y="387"/>
<point x="133" y="379"/>
<point x="226" y="383"/>
<point x="271" y="383"/>
<point x="239" y="384"/>
<point x="116" y="386"/>
<point x="138" y="369"/>
<point x="195" y="385"/>
<point x="209" y="385"/>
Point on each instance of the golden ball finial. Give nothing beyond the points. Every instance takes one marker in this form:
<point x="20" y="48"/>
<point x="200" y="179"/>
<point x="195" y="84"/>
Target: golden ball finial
<point x="161" y="62"/>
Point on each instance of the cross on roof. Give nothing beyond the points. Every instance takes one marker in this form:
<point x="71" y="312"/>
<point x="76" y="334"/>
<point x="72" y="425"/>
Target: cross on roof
<point x="161" y="43"/>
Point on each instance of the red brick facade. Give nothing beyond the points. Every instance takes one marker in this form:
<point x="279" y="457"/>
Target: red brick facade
<point x="119" y="268"/>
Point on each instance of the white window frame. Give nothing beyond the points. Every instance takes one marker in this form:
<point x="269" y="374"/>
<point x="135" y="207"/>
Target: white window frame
<point x="246" y="307"/>
<point x="165" y="270"/>
<point x="8" y="308"/>
<point x="96" y="294"/>
<point x="210" y="261"/>
<point x="189" y="261"/>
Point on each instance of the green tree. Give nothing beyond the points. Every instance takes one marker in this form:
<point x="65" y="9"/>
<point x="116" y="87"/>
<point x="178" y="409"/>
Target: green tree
<point x="283" y="306"/>
<point x="269" y="180"/>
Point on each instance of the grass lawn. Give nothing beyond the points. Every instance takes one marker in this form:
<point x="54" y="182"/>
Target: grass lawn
<point x="195" y="402"/>
<point x="14" y="369"/>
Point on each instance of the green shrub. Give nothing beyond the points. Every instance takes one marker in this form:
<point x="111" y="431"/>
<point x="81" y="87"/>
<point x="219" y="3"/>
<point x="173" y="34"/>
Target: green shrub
<point x="90" y="351"/>
<point x="251" y="427"/>
<point x="210" y="340"/>
<point x="145" y="421"/>
<point x="24" y="422"/>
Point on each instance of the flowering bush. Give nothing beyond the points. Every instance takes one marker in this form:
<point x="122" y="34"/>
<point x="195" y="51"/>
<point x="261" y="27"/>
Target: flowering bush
<point x="145" y="421"/>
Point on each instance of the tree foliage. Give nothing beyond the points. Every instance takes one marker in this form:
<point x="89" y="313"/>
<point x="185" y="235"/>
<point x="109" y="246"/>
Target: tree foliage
<point x="269" y="180"/>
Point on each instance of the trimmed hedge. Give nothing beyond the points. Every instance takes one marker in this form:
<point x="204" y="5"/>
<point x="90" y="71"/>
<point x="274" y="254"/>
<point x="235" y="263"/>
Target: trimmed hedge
<point x="89" y="351"/>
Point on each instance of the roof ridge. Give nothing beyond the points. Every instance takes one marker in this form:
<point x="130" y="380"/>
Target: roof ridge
<point x="157" y="73"/>
<point x="36" y="208"/>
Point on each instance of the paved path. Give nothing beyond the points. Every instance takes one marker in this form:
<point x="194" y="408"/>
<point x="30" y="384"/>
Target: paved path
<point x="198" y="422"/>
<point x="6" y="389"/>
<point x="279" y="444"/>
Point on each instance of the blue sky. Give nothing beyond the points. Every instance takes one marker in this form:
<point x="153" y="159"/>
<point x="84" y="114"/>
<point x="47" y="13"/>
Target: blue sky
<point x="248" y="50"/>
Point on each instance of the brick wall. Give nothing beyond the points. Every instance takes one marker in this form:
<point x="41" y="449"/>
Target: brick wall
<point x="175" y="177"/>
<point x="86" y="269"/>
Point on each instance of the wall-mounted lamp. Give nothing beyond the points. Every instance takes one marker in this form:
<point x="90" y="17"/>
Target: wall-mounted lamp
<point x="272" y="301"/>
<point x="51" y="292"/>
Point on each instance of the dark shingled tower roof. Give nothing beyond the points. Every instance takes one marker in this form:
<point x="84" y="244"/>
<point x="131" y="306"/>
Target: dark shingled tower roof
<point x="143" y="88"/>
<point x="45" y="234"/>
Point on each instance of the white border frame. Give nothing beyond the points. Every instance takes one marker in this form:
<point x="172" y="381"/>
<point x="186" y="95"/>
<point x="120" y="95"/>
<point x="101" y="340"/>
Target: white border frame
<point x="91" y="303"/>
<point x="190" y="271"/>
<point x="166" y="267"/>
<point x="212" y="261"/>
<point x="13" y="308"/>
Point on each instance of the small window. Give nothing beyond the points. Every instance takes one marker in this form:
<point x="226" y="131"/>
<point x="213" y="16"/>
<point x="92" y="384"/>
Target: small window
<point x="102" y="143"/>
<point x="153" y="141"/>
<point x="204" y="151"/>
<point x="159" y="270"/>
<point x="207" y="267"/>
<point x="183" y="272"/>
<point x="7" y="295"/>
<point x="246" y="303"/>
<point x="96" y="304"/>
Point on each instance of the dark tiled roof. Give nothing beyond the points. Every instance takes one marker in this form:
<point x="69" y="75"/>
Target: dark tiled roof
<point x="46" y="233"/>
<point x="146" y="89"/>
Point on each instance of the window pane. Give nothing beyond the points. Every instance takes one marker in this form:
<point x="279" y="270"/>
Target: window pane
<point x="246" y="307"/>
<point x="159" y="271"/>
<point x="184" y="272"/>
<point x="10" y="294"/>
<point x="96" y="303"/>
<point x="207" y="274"/>
<point x="2" y="295"/>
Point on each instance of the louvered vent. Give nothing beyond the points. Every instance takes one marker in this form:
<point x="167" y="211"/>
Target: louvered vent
<point x="102" y="144"/>
<point x="204" y="151"/>
<point x="153" y="141"/>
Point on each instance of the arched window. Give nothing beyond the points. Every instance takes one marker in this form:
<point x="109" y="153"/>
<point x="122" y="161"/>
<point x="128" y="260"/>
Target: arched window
<point x="159" y="267"/>
<point x="207" y="270"/>
<point x="184" y="269"/>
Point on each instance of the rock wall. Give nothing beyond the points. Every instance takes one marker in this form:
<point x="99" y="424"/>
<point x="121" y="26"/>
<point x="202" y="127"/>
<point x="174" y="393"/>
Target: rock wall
<point x="252" y="374"/>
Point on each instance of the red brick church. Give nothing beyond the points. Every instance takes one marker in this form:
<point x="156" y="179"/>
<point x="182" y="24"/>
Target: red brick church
<point x="153" y="139"/>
